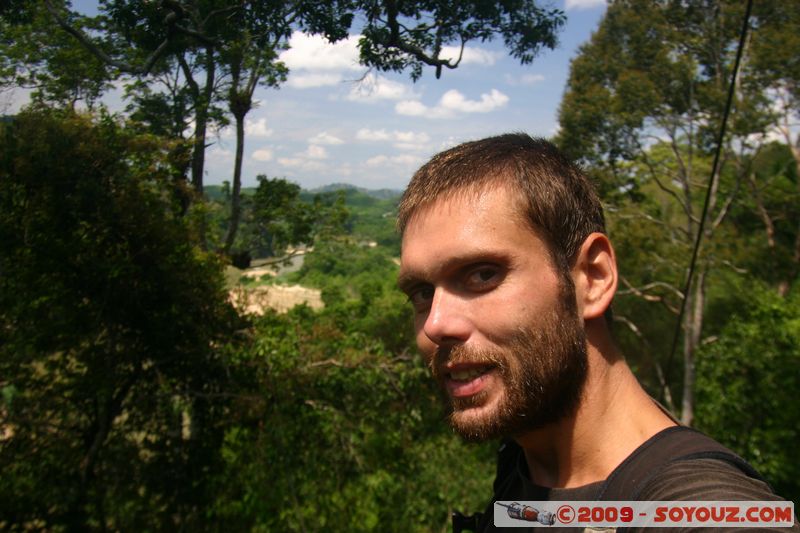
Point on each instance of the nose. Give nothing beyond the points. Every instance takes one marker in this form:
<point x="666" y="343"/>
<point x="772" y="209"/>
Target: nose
<point x="447" y="323"/>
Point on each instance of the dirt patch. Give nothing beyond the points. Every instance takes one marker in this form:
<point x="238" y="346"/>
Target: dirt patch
<point x="255" y="273"/>
<point x="278" y="297"/>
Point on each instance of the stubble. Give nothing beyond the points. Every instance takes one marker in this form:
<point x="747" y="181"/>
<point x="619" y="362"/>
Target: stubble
<point x="542" y="369"/>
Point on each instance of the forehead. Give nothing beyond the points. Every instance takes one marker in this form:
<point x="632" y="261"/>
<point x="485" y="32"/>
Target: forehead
<point x="488" y="222"/>
<point x="491" y="193"/>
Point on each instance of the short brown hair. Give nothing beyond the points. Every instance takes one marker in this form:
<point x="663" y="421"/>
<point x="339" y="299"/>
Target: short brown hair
<point x="559" y="201"/>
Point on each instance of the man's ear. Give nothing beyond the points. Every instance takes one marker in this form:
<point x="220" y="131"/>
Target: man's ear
<point x="595" y="276"/>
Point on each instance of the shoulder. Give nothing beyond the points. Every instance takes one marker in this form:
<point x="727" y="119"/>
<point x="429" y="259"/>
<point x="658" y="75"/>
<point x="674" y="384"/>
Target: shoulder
<point x="705" y="479"/>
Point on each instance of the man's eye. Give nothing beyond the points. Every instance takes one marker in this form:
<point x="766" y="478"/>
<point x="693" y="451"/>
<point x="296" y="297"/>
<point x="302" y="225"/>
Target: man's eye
<point x="421" y="297"/>
<point x="483" y="278"/>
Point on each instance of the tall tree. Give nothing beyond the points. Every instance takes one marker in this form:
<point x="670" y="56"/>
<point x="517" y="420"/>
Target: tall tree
<point x="111" y="325"/>
<point x="250" y="59"/>
<point x="643" y="106"/>
<point x="245" y="36"/>
<point x="153" y="39"/>
<point x="774" y="69"/>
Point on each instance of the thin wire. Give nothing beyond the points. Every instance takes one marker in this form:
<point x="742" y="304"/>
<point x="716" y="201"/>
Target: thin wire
<point x="711" y="183"/>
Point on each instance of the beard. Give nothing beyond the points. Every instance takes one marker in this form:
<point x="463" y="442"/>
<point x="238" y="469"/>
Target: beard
<point x="542" y="369"/>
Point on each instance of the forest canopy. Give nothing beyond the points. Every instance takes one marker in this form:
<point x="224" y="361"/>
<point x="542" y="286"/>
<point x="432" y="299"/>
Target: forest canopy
<point x="135" y="394"/>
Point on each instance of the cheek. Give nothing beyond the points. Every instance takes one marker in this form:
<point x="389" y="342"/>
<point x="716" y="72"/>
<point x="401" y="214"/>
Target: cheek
<point x="419" y="330"/>
<point x="425" y="345"/>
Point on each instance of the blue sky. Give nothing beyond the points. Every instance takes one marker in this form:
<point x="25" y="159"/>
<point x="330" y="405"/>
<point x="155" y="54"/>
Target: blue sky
<point x="322" y="127"/>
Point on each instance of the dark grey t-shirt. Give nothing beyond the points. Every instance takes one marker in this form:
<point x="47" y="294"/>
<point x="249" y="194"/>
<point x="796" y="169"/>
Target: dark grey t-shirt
<point x="697" y="479"/>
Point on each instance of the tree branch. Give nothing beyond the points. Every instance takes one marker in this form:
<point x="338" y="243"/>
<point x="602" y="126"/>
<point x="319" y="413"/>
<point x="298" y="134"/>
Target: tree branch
<point x="654" y="175"/>
<point x="396" y="41"/>
<point x="99" y="53"/>
<point x="659" y="371"/>
<point x="640" y="292"/>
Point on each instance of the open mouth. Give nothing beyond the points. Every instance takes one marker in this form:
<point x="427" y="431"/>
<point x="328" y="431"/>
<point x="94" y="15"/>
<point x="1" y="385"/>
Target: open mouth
<point x="464" y="375"/>
<point x="467" y="380"/>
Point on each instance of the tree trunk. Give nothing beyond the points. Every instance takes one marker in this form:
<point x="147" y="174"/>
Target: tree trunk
<point x="236" y="208"/>
<point x="693" y="328"/>
<point x="202" y="103"/>
<point x="795" y="148"/>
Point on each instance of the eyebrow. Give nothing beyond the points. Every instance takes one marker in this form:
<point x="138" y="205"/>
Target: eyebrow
<point x="406" y="280"/>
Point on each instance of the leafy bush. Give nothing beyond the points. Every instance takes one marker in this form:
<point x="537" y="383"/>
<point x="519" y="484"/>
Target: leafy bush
<point x="747" y="386"/>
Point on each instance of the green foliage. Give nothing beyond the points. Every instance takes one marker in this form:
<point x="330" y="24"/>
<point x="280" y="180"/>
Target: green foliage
<point x="642" y="110"/>
<point x="278" y="218"/>
<point x="52" y="63"/>
<point x="126" y="401"/>
<point x="748" y="382"/>
<point x="411" y="35"/>
<point x="342" y="429"/>
<point x="617" y="95"/>
<point x="374" y="218"/>
<point x="372" y="213"/>
<point x="109" y="319"/>
<point x="359" y="289"/>
<point x="770" y="250"/>
<point x="341" y="435"/>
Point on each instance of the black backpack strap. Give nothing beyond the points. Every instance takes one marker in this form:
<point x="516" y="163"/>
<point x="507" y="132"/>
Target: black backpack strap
<point x="507" y="460"/>
<point x="462" y="522"/>
<point x="677" y="443"/>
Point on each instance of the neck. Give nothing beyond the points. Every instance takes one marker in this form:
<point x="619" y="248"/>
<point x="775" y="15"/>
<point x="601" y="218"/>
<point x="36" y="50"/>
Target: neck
<point x="614" y="417"/>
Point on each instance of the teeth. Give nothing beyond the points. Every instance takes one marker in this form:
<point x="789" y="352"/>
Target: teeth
<point x="466" y="375"/>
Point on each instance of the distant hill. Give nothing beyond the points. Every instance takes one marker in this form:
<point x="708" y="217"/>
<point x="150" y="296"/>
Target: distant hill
<point x="214" y="192"/>
<point x="372" y="212"/>
<point x="381" y="194"/>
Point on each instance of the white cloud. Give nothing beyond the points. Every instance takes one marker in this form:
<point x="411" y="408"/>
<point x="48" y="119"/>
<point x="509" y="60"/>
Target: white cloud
<point x="373" y="88"/>
<point x="264" y="154"/>
<point x="290" y="161"/>
<point x="456" y="101"/>
<point x="345" y="170"/>
<point x="411" y="147"/>
<point x="583" y="4"/>
<point x="309" y="80"/>
<point x="13" y="99"/>
<point x="325" y="138"/>
<point x="308" y="160"/>
<point x="451" y="103"/>
<point x="470" y="56"/>
<point x="300" y="163"/>
<point x="450" y="142"/>
<point x="189" y="131"/>
<point x="252" y="128"/>
<point x="403" y="140"/>
<point x="377" y="161"/>
<point x="314" y="52"/>
<point x="220" y="153"/>
<point x="257" y="128"/>
<point x="316" y="152"/>
<point x="411" y="137"/>
<point x="383" y="161"/>
<point x="409" y="140"/>
<point x="314" y="62"/>
<point x="525" y="79"/>
<point x="366" y="134"/>
<point x="412" y="108"/>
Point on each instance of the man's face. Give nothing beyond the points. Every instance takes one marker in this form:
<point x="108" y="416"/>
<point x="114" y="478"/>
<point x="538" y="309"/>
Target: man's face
<point x="492" y="317"/>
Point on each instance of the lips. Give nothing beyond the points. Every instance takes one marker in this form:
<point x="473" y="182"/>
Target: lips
<point x="466" y="374"/>
<point x="466" y="380"/>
